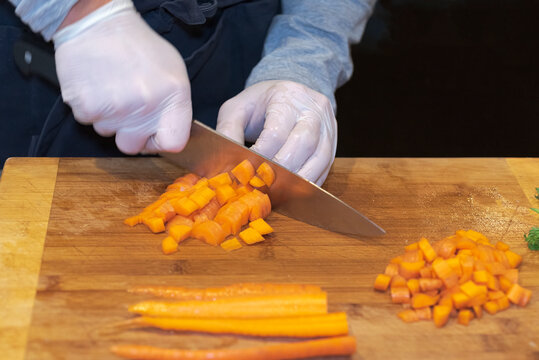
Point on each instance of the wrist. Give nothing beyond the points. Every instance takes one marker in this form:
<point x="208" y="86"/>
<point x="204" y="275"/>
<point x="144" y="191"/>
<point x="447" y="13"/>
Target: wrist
<point x="80" y="10"/>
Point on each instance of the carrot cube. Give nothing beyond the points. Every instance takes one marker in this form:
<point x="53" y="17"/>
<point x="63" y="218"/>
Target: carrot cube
<point x="184" y="206"/>
<point x="261" y="226"/>
<point x="219" y="180"/>
<point x="256" y="182"/>
<point x="179" y="232"/>
<point x="244" y="171"/>
<point x="169" y="245"/>
<point x="266" y="173"/>
<point x="251" y="236"/>
<point x="231" y="244"/>
<point x="224" y="193"/>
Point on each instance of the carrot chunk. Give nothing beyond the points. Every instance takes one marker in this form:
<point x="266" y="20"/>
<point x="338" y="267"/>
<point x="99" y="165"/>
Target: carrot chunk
<point x="169" y="245"/>
<point x="251" y="236"/>
<point x="262" y="227"/>
<point x="256" y="182"/>
<point x="179" y="232"/>
<point x="209" y="231"/>
<point x="244" y="171"/>
<point x="266" y="173"/>
<point x="382" y="282"/>
<point x="219" y="180"/>
<point x="231" y="244"/>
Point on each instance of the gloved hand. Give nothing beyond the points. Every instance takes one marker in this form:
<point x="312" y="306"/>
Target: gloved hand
<point x="119" y="75"/>
<point x="292" y="124"/>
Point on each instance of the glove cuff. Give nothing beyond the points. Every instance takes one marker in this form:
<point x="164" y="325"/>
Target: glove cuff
<point x="106" y="11"/>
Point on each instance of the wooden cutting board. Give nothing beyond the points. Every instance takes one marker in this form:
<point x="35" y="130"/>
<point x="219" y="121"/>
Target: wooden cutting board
<point x="90" y="257"/>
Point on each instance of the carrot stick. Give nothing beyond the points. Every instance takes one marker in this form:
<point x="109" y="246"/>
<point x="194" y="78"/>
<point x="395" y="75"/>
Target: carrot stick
<point x="241" y="307"/>
<point x="333" y="324"/>
<point x="336" y="346"/>
<point x="235" y="290"/>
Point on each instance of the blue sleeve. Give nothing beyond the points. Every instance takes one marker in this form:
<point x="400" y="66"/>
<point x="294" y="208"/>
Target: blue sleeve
<point x="43" y="16"/>
<point x="309" y="43"/>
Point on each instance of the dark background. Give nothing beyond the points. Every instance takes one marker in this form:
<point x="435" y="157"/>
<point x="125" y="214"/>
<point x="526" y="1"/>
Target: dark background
<point x="444" y="78"/>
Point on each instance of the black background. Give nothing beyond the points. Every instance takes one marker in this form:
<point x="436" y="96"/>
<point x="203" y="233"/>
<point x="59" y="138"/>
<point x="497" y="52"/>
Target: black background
<point x="444" y="78"/>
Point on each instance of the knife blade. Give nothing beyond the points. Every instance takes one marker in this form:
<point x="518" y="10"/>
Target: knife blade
<point x="209" y="153"/>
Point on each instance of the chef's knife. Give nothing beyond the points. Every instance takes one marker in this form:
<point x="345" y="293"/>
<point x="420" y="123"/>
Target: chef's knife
<point x="208" y="153"/>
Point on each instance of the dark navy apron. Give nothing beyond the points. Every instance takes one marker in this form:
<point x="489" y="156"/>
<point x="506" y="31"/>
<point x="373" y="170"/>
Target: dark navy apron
<point x="220" y="41"/>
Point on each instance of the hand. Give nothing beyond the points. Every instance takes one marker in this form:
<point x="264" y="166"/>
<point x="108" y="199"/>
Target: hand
<point x="122" y="77"/>
<point x="292" y="124"/>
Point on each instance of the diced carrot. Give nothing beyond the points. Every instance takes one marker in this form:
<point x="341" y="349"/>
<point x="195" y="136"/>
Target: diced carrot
<point x="426" y="272"/>
<point x="464" y="317"/>
<point x="428" y="250"/>
<point x="424" y="313"/>
<point x="408" y="315"/>
<point x="165" y="211"/>
<point x="505" y="283"/>
<point x="169" y="245"/>
<point x="410" y="269"/>
<point x="201" y="183"/>
<point x="243" y="189"/>
<point x="503" y="303"/>
<point x="502" y="246"/>
<point x="427" y="284"/>
<point x="460" y="300"/>
<point x="155" y="224"/>
<point x="413" y="286"/>
<point x="179" y="232"/>
<point x="189" y="179"/>
<point x="208" y="212"/>
<point x="511" y="275"/>
<point x="481" y="276"/>
<point x="381" y="282"/>
<point x="519" y="295"/>
<point x="251" y="236"/>
<point x="513" y="258"/>
<point x="184" y="206"/>
<point x="266" y="173"/>
<point x="440" y="315"/>
<point x="445" y="272"/>
<point x="202" y="196"/>
<point x="478" y="311"/>
<point x="224" y="193"/>
<point x="392" y="269"/>
<point x="491" y="307"/>
<point x="209" y="231"/>
<point x="133" y="220"/>
<point x="400" y="294"/>
<point x="413" y="255"/>
<point x="262" y="227"/>
<point x="398" y="281"/>
<point x="256" y="182"/>
<point x="421" y="300"/>
<point x="243" y="172"/>
<point x="219" y="180"/>
<point x="231" y="244"/>
<point x="179" y="220"/>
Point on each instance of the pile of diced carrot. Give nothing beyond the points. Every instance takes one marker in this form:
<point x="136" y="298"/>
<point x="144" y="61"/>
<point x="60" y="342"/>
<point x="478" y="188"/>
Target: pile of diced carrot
<point x="216" y="210"/>
<point x="458" y="276"/>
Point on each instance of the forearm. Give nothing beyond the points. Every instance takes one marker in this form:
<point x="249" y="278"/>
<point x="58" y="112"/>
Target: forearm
<point x="47" y="16"/>
<point x="310" y="42"/>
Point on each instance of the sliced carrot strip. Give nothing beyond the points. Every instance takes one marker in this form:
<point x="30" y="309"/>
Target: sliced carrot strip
<point x="335" y="346"/>
<point x="333" y="324"/>
<point x="280" y="305"/>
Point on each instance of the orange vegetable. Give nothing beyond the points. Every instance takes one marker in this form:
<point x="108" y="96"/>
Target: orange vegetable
<point x="179" y="232"/>
<point x="280" y="305"/>
<point x="266" y="173"/>
<point x="202" y="196"/>
<point x="219" y="180"/>
<point x="243" y="172"/>
<point x="251" y="236"/>
<point x="208" y="212"/>
<point x="458" y="276"/>
<point x="335" y="346"/>
<point x="262" y="227"/>
<point x="465" y="316"/>
<point x="382" y="282"/>
<point x="234" y="290"/>
<point x="169" y="245"/>
<point x="256" y="182"/>
<point x="333" y="324"/>
<point x="155" y="224"/>
<point x="184" y="206"/>
<point x="208" y="231"/>
<point x="231" y="244"/>
<point x="179" y="220"/>
<point x="224" y="193"/>
<point x="440" y="315"/>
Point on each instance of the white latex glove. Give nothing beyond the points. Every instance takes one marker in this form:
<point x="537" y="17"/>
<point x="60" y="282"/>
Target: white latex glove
<point x="119" y="75"/>
<point x="292" y="124"/>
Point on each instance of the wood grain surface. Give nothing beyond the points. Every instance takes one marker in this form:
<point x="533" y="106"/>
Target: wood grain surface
<point x="90" y="257"/>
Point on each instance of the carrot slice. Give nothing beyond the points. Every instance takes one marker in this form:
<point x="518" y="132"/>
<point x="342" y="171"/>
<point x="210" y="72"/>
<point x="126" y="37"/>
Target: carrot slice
<point x="262" y="227"/>
<point x="256" y="182"/>
<point x="251" y="236"/>
<point x="280" y="305"/>
<point x="244" y="171"/>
